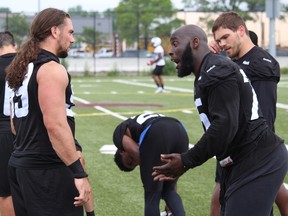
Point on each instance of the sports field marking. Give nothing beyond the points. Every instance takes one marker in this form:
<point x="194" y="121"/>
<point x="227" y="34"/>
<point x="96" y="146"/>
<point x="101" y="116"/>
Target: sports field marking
<point x="102" y="109"/>
<point x="111" y="148"/>
<point x="184" y="110"/>
<point x="282" y="106"/>
<point x="153" y="86"/>
<point x="119" y="105"/>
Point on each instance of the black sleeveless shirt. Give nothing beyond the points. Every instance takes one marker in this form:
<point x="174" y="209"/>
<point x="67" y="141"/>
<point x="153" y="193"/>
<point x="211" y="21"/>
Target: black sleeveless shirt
<point x="33" y="148"/>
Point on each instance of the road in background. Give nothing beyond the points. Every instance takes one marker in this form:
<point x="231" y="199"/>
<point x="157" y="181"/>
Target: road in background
<point x="102" y="65"/>
<point x="133" y="65"/>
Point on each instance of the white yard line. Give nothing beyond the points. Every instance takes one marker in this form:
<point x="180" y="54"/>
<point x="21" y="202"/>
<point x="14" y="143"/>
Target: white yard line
<point x="102" y="109"/>
<point x="153" y="86"/>
<point x="282" y="106"/>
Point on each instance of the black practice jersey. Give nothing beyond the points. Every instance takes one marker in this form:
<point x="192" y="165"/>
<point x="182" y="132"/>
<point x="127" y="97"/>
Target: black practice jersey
<point x="138" y="123"/>
<point x="156" y="134"/>
<point x="33" y="148"/>
<point x="229" y="111"/>
<point x="5" y="91"/>
<point x="264" y="73"/>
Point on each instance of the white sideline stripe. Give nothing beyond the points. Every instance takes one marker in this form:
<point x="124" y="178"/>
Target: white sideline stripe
<point x="280" y="105"/>
<point x="153" y="86"/>
<point x="81" y="100"/>
<point x="102" y="109"/>
<point x="111" y="149"/>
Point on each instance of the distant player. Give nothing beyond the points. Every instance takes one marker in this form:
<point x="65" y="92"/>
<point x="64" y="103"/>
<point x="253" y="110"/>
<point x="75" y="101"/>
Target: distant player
<point x="158" y="59"/>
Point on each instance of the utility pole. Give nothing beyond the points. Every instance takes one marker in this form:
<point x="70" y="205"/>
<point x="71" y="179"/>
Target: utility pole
<point x="39" y="5"/>
<point x="273" y="12"/>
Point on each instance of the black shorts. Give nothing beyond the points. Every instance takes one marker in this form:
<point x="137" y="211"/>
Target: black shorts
<point x="254" y="192"/>
<point x="6" y="148"/>
<point x="165" y="136"/>
<point x="45" y="192"/>
<point x="158" y="71"/>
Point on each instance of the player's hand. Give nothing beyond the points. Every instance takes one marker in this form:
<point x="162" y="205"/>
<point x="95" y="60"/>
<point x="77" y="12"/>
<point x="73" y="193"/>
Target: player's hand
<point x="171" y="170"/>
<point x="214" y="47"/>
<point x="84" y="189"/>
<point x="151" y="62"/>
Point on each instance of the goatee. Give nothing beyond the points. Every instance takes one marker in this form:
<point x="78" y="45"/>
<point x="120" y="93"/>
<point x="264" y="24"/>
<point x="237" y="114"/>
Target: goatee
<point x="63" y="54"/>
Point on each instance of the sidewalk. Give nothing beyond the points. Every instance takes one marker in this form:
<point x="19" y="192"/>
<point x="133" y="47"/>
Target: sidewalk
<point x="135" y="65"/>
<point x="100" y="65"/>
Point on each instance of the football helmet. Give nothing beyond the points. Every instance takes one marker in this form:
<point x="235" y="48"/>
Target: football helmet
<point x="156" y="41"/>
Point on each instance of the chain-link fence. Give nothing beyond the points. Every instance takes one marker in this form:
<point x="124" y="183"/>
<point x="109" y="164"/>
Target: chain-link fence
<point x="109" y="42"/>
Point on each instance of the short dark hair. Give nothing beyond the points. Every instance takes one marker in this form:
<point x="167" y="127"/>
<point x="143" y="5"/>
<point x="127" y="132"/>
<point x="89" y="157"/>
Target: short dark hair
<point x="229" y="20"/>
<point x="118" y="134"/>
<point x="118" y="161"/>
<point x="254" y="37"/>
<point x="6" y="38"/>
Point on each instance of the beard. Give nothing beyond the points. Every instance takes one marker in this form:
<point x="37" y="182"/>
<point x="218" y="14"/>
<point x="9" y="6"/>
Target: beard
<point x="62" y="54"/>
<point x="186" y="62"/>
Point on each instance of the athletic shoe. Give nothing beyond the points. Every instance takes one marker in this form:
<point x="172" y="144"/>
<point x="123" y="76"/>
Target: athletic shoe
<point x="165" y="91"/>
<point x="159" y="90"/>
<point x="164" y="213"/>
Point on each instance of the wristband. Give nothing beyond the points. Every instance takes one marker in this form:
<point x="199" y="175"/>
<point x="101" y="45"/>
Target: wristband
<point x="90" y="213"/>
<point x="77" y="170"/>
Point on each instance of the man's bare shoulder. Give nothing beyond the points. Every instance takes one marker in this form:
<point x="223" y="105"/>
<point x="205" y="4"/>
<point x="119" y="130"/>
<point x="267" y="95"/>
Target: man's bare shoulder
<point x="52" y="71"/>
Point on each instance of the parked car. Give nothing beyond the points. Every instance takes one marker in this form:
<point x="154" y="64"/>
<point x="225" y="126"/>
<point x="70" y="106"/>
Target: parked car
<point x="133" y="53"/>
<point x="104" y="53"/>
<point x="78" y="53"/>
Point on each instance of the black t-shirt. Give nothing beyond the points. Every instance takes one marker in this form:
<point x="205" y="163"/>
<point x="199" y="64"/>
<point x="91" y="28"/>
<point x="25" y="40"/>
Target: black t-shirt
<point x="264" y="73"/>
<point x="230" y="114"/>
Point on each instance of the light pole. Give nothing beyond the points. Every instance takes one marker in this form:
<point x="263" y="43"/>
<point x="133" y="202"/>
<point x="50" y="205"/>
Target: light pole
<point x="272" y="11"/>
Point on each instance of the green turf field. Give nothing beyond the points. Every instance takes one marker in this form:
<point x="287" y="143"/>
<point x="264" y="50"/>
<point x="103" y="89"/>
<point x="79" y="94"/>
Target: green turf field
<point x="103" y="102"/>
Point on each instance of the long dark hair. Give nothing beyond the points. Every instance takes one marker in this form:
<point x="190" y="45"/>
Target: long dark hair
<point x="40" y="29"/>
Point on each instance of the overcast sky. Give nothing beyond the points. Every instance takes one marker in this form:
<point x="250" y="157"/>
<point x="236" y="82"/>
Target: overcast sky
<point x="88" y="5"/>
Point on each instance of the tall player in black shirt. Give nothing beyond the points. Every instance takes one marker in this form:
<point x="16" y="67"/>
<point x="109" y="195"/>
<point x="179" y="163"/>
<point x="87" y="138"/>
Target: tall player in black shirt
<point x="46" y="174"/>
<point x="140" y="140"/>
<point x="7" y="53"/>
<point x="250" y="154"/>
<point x="231" y="35"/>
